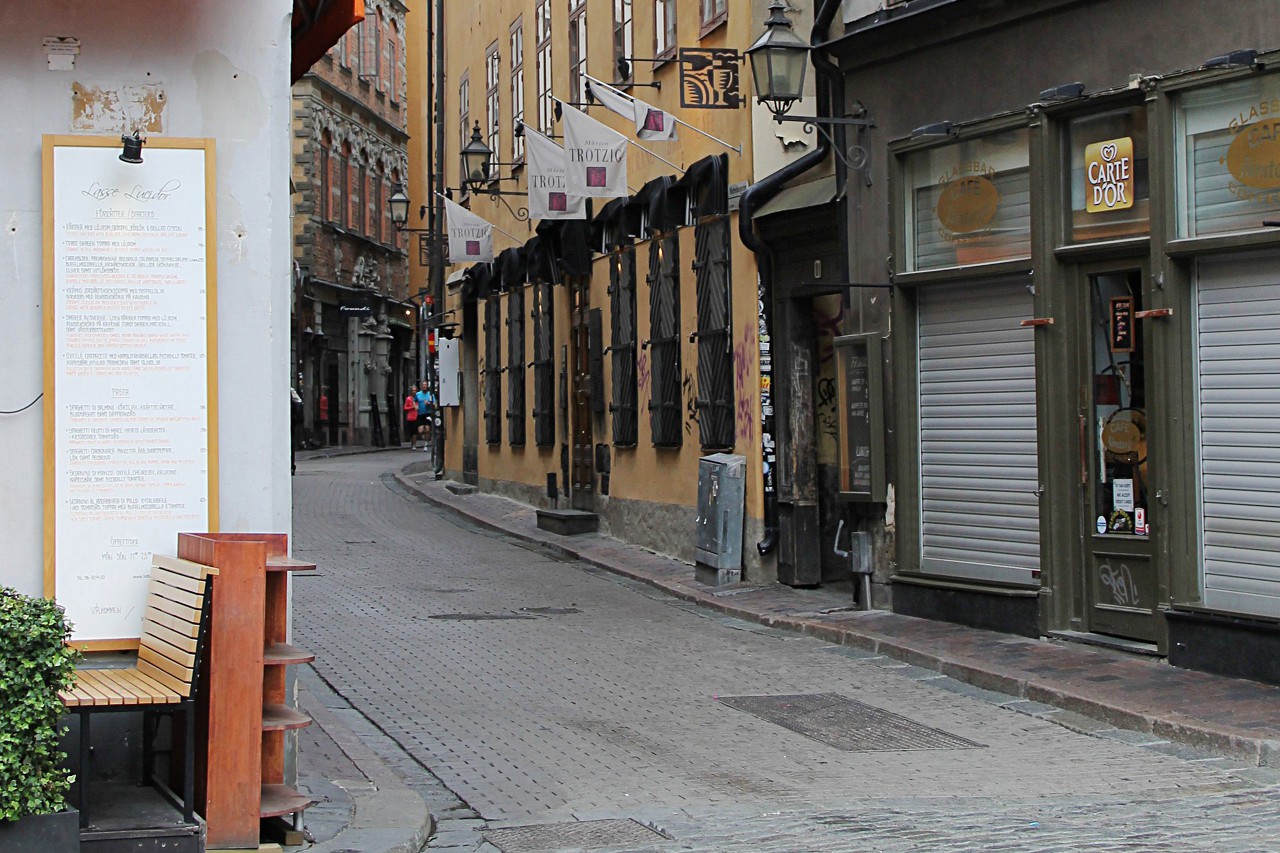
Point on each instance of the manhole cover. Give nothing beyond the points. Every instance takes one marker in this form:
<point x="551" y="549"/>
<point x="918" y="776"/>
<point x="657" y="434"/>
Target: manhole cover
<point x="846" y="724"/>
<point x="479" y="617"/>
<point x="583" y="835"/>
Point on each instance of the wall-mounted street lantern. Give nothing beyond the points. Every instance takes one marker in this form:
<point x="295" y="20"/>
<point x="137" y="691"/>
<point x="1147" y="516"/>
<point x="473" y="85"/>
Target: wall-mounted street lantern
<point x="778" y="62"/>
<point x="476" y="159"/>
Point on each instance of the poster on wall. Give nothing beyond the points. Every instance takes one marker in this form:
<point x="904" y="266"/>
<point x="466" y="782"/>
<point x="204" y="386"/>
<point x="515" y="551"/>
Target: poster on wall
<point x="130" y="371"/>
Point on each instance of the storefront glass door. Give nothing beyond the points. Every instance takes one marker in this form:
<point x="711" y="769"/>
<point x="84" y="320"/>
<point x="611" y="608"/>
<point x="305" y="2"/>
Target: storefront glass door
<point x="1121" y="578"/>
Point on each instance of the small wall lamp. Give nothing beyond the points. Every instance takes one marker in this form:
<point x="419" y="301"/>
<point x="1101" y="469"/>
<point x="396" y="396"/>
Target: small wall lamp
<point x="132" y="152"/>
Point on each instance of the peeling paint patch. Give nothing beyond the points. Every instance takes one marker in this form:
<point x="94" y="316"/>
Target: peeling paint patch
<point x="116" y="109"/>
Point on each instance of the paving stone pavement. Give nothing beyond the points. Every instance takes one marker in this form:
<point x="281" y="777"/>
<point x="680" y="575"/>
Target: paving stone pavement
<point x="552" y="691"/>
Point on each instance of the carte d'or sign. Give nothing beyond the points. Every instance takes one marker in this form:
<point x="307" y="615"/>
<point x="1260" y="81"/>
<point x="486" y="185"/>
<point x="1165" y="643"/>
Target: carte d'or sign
<point x="1108" y="168"/>
<point x="1253" y="158"/>
<point x="969" y="200"/>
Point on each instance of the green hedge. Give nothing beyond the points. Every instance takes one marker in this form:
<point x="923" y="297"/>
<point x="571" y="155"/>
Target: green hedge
<point x="35" y="663"/>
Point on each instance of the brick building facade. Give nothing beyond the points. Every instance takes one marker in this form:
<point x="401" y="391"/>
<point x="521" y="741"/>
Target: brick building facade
<point x="353" y="348"/>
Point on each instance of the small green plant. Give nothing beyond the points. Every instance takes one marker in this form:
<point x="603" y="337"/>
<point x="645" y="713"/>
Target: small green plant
<point x="35" y="663"/>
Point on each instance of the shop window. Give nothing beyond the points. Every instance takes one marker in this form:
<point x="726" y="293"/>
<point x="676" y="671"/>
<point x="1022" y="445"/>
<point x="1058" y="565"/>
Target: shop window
<point x="492" y="75"/>
<point x="969" y="202"/>
<point x="664" y="29"/>
<point x="578" y="50"/>
<point x="1228" y="157"/>
<point x="1110" y="175"/>
<point x="544" y="373"/>
<point x="515" y="367"/>
<point x="665" y="405"/>
<point x="622" y="345"/>
<point x="492" y="370"/>
<point x="622" y="38"/>
<point x="546" y="101"/>
<point x="714" y="335"/>
<point x="517" y="89"/>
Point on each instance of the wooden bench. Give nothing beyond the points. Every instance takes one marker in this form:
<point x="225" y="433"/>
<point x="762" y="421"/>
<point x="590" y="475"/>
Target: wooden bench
<point x="164" y="679"/>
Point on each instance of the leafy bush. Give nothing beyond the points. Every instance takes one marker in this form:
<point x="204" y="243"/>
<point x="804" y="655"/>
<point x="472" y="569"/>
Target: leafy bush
<point x="35" y="663"/>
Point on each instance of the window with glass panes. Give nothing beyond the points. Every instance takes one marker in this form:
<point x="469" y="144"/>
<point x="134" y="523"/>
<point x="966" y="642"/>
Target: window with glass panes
<point x="542" y="31"/>
<point x="622" y="40"/>
<point x="664" y="28"/>
<point x="713" y="12"/>
<point x="492" y="73"/>
<point x="464" y="122"/>
<point x="578" y="49"/>
<point x="517" y="89"/>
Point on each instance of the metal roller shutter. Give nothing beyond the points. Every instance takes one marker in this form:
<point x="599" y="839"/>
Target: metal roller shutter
<point x="980" y="517"/>
<point x="1238" y="358"/>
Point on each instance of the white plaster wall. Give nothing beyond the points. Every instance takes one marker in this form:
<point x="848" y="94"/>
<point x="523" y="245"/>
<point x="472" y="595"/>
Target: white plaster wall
<point x="224" y="69"/>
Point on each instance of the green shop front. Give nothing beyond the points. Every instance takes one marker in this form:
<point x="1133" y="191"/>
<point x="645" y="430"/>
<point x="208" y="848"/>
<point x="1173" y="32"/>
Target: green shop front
<point x="1086" y="357"/>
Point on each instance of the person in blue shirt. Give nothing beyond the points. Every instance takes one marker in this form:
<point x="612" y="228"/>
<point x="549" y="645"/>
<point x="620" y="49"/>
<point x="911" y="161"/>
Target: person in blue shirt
<point x="426" y="413"/>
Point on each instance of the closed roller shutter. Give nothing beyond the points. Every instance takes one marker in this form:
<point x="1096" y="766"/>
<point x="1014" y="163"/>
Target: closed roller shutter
<point x="980" y="516"/>
<point x="1238" y="357"/>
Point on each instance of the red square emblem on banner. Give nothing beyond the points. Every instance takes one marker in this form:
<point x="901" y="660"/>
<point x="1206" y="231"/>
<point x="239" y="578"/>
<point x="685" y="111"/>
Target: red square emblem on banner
<point x="557" y="201"/>
<point x="597" y="176"/>
<point x="655" y="120"/>
<point x="473" y="247"/>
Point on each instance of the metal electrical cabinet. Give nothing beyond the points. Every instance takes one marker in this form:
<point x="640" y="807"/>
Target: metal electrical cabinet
<point x="721" y="503"/>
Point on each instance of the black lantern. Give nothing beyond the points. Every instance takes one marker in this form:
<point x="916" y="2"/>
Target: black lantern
<point x="399" y="204"/>
<point x="778" y="61"/>
<point x="476" y="159"/>
<point x="132" y="152"/>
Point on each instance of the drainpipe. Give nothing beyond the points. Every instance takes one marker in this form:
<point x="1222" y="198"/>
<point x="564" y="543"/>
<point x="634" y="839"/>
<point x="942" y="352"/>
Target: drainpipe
<point x="752" y="198"/>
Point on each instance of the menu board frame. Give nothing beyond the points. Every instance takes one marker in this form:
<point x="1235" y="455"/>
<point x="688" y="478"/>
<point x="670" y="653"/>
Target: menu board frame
<point x="860" y="354"/>
<point x="54" y="443"/>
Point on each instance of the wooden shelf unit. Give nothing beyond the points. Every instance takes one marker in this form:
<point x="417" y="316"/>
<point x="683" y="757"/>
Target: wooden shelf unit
<point x="245" y="711"/>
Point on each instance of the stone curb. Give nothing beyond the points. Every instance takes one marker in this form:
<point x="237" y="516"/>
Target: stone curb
<point x="388" y="816"/>
<point x="1171" y="726"/>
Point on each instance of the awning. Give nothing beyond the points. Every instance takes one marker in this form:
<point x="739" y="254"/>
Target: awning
<point x="799" y="196"/>
<point x="317" y="26"/>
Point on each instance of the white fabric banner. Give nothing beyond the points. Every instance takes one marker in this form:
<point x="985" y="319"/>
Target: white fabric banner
<point x="652" y="124"/>
<point x="470" y="237"/>
<point x="548" y="198"/>
<point x="595" y="157"/>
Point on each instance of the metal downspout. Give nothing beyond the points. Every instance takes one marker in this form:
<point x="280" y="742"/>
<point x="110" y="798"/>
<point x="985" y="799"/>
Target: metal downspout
<point x="752" y="198"/>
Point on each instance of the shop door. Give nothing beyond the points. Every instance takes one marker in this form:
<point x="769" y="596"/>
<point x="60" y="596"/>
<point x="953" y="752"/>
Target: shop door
<point x="1121" y="578"/>
<point x="581" y="461"/>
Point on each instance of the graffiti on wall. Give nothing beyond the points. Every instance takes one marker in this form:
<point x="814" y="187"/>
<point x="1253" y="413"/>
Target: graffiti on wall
<point x="690" y="391"/>
<point x="744" y="356"/>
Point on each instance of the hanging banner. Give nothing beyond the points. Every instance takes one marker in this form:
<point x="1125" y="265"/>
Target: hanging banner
<point x="470" y="237"/>
<point x="548" y="198"/>
<point x="652" y="124"/>
<point x="595" y="157"/>
<point x="709" y="78"/>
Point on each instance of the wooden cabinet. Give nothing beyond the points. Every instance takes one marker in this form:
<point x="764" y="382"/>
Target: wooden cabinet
<point x="244" y="710"/>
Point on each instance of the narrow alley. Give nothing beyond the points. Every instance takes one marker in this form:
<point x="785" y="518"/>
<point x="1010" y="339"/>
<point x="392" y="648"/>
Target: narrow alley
<point x="547" y="695"/>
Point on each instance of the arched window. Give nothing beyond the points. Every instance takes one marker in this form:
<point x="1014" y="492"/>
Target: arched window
<point x="355" y="192"/>
<point x="323" y="178"/>
<point x="337" y="181"/>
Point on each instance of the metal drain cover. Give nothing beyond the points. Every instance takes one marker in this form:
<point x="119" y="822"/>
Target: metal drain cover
<point x="575" y="835"/>
<point x="845" y="723"/>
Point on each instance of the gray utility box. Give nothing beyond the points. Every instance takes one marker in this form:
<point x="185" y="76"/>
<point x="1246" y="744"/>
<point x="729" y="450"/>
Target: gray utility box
<point x="721" y="503"/>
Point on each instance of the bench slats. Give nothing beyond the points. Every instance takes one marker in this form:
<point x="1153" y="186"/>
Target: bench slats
<point x="186" y="613"/>
<point x="173" y="579"/>
<point x="176" y="624"/>
<point x="107" y="678"/>
<point x="165" y="671"/>
<point x="150" y="686"/>
<point x="86" y="690"/>
<point x="168" y="637"/>
<point x="181" y="596"/>
<point x="153" y="643"/>
<point x="183" y="567"/>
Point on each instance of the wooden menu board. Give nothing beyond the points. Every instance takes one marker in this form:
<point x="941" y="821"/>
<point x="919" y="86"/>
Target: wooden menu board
<point x="130" y="414"/>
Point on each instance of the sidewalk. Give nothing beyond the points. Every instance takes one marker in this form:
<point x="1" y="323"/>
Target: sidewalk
<point x="1083" y="685"/>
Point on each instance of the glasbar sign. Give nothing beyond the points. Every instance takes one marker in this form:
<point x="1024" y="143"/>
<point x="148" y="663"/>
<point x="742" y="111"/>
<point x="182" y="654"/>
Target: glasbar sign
<point x="968" y="201"/>
<point x="1109" y="171"/>
<point x="1253" y="158"/>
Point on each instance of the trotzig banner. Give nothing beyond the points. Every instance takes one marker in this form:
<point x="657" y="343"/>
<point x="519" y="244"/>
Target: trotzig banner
<point x="595" y="157"/>
<point x="548" y="198"/>
<point x="652" y="124"/>
<point x="470" y="237"/>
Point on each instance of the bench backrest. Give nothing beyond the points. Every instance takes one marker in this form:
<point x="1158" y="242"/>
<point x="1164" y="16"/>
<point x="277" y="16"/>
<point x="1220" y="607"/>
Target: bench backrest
<point x="173" y="622"/>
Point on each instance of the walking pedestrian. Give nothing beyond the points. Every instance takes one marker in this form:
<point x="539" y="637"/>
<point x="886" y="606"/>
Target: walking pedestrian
<point x="426" y="410"/>
<point x="411" y="419"/>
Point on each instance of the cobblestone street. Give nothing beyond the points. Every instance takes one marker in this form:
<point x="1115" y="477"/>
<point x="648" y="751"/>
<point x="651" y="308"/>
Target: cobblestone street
<point x="541" y="691"/>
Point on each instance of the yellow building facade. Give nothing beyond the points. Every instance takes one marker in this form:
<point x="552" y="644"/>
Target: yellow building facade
<point x="599" y="360"/>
